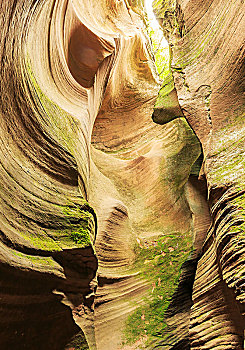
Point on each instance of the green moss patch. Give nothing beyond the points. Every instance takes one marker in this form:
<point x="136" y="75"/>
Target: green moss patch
<point x="63" y="124"/>
<point x="160" y="263"/>
<point x="69" y="226"/>
<point x="79" y="227"/>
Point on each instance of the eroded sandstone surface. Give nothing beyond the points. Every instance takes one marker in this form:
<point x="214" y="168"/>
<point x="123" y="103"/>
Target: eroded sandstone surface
<point x="121" y="194"/>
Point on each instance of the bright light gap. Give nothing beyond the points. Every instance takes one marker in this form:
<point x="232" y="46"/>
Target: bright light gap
<point x="153" y="22"/>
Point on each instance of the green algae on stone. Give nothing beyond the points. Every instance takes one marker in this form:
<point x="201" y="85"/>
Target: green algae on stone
<point x="73" y="226"/>
<point x="166" y="88"/>
<point x="36" y="261"/>
<point x="64" y="131"/>
<point x="80" y="227"/>
<point x="159" y="262"/>
<point x="40" y="240"/>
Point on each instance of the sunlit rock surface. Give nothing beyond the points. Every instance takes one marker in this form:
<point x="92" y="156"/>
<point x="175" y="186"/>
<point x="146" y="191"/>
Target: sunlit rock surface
<point x="100" y="206"/>
<point x="207" y="43"/>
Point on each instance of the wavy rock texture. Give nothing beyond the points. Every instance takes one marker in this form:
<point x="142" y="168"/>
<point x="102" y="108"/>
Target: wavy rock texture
<point x="88" y="183"/>
<point x="207" y="43"/>
<point x="72" y="73"/>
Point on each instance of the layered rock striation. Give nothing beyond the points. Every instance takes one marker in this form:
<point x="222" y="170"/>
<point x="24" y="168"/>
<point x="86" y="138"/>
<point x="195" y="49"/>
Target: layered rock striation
<point x="104" y="223"/>
<point x="207" y="44"/>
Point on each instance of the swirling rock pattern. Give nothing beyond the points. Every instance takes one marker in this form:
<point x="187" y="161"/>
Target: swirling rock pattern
<point x="65" y="84"/>
<point x="86" y="176"/>
<point x="207" y="43"/>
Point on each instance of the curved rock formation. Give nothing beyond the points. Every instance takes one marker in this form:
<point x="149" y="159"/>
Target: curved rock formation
<point x="100" y="206"/>
<point x="207" y="43"/>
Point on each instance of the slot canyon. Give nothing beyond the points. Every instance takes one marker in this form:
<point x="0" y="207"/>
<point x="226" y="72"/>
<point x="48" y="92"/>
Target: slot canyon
<point x="122" y="175"/>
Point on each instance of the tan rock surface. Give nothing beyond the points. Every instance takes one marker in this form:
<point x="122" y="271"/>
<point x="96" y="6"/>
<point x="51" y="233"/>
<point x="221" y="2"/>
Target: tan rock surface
<point x="207" y="41"/>
<point x="88" y="182"/>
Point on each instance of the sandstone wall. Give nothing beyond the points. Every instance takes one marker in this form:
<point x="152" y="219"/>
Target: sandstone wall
<point x="100" y="206"/>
